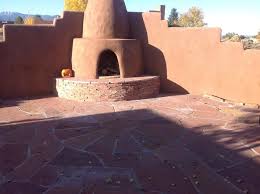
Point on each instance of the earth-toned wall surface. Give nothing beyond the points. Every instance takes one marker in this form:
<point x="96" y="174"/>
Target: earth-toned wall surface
<point x="1" y="34"/>
<point x="106" y="19"/>
<point x="33" y="55"/>
<point x="188" y="60"/>
<point x="194" y="60"/>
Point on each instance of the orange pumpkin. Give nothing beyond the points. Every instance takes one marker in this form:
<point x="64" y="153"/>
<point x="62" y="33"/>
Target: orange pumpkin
<point x="66" y="73"/>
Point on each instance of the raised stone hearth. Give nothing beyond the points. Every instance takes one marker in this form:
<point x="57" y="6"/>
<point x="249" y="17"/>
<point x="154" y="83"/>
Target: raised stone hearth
<point x="108" y="89"/>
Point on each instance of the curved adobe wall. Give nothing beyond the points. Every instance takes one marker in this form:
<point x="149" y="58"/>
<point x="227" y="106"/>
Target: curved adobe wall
<point x="106" y="19"/>
<point x="193" y="60"/>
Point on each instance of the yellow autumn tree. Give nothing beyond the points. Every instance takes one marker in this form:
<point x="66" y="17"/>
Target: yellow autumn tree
<point x="75" y="5"/>
<point x="193" y="18"/>
<point x="258" y="36"/>
<point x="32" y="20"/>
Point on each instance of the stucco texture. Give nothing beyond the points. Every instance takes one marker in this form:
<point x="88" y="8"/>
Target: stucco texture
<point x="106" y="19"/>
<point x="106" y="28"/>
<point x="194" y="60"/>
<point x="32" y="56"/>
<point x="188" y="60"/>
<point x="86" y="54"/>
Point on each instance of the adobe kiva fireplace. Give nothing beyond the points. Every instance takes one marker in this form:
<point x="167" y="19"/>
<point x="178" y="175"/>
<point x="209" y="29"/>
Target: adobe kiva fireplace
<point x="106" y="42"/>
<point x="106" y="51"/>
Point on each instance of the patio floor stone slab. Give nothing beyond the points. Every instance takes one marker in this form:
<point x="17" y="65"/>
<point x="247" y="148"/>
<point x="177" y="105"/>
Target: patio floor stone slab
<point x="185" y="144"/>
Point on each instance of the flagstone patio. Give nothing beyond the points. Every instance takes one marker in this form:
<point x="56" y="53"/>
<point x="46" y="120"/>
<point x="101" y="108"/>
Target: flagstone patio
<point x="166" y="145"/>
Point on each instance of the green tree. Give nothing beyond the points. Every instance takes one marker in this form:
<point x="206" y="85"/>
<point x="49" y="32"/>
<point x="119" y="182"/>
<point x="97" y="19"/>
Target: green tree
<point x="19" y="20"/>
<point x="173" y="17"/>
<point x="229" y="35"/>
<point x="193" y="18"/>
<point x="242" y="37"/>
<point x="39" y="17"/>
<point x="75" y="5"/>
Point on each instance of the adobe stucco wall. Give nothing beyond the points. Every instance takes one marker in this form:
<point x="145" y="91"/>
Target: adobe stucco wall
<point x="31" y="56"/>
<point x="193" y="60"/>
<point x="189" y="60"/>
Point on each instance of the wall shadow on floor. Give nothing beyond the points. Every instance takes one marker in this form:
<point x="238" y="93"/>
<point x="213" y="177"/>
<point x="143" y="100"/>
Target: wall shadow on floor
<point x="12" y="102"/>
<point x="207" y="158"/>
<point x="214" y="158"/>
<point x="156" y="65"/>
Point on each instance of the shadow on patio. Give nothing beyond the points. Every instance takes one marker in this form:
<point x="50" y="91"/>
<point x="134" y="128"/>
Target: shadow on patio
<point x="135" y="151"/>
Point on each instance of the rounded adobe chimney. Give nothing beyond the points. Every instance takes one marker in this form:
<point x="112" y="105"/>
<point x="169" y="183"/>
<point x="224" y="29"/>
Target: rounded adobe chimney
<point x="106" y="19"/>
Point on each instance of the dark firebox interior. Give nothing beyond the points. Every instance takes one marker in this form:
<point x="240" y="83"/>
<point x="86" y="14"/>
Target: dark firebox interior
<point x="108" y="64"/>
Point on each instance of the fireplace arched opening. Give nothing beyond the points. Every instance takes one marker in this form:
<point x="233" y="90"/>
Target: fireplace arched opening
<point x="108" y="64"/>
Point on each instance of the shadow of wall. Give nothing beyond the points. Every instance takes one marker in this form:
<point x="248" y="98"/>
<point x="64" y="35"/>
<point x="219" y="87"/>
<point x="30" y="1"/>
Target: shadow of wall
<point x="153" y="57"/>
<point x="194" y="60"/>
<point x="147" y="143"/>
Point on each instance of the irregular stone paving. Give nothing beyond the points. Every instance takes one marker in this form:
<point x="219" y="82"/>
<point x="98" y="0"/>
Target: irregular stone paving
<point x="167" y="145"/>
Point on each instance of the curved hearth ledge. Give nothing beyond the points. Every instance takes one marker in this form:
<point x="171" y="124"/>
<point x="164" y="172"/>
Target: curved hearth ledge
<point x="108" y="89"/>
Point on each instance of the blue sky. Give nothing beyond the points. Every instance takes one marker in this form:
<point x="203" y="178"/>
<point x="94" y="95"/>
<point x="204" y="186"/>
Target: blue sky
<point x="241" y="16"/>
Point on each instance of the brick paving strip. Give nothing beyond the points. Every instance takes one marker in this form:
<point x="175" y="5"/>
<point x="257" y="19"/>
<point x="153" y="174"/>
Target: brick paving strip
<point x="167" y="145"/>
